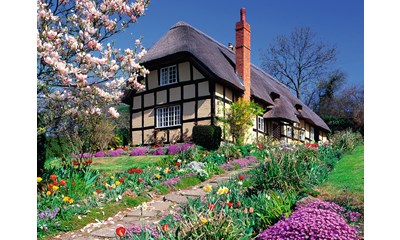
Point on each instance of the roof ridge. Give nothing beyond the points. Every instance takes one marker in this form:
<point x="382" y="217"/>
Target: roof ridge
<point x="184" y="24"/>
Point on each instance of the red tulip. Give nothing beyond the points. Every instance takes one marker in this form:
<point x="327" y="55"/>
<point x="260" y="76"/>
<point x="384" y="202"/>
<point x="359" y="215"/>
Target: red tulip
<point x="62" y="182"/>
<point x="238" y="203"/>
<point x="121" y="180"/>
<point x="120" y="231"/>
<point x="211" y="206"/>
<point x="53" y="177"/>
<point x="90" y="161"/>
<point x="73" y="183"/>
<point x="165" y="227"/>
<point x="230" y="204"/>
<point x="178" y="164"/>
<point x="241" y="177"/>
<point x="98" y="191"/>
<point x="140" y="180"/>
<point x="76" y="163"/>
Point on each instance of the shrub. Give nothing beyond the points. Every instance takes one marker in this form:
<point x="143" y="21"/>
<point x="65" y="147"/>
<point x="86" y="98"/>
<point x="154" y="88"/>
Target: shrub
<point x="139" y="151"/>
<point x="346" y="140"/>
<point x="317" y="220"/>
<point x="208" y="137"/>
<point x="174" y="149"/>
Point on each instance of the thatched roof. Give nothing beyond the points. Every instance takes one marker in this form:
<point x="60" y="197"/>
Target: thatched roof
<point x="220" y="61"/>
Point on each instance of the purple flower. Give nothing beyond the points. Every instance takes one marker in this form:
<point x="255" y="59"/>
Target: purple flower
<point x="172" y="181"/>
<point x="100" y="154"/>
<point x="139" y="151"/>
<point x="138" y="229"/>
<point x="227" y="167"/>
<point x="158" y="151"/>
<point x="114" y="153"/>
<point x="317" y="220"/>
<point x="84" y="155"/>
<point x="186" y="146"/>
<point x="173" y="149"/>
<point x="47" y="214"/>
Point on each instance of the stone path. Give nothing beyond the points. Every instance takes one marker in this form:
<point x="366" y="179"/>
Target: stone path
<point x="151" y="212"/>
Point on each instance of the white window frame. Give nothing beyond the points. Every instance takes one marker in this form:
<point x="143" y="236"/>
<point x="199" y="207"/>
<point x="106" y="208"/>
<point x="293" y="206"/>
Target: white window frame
<point x="260" y="123"/>
<point x="302" y="135"/>
<point x="311" y="133"/>
<point x="168" y="116"/>
<point x="289" y="129"/>
<point x="168" y="75"/>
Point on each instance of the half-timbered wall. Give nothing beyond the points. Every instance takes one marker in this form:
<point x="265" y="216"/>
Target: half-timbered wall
<point x="192" y="93"/>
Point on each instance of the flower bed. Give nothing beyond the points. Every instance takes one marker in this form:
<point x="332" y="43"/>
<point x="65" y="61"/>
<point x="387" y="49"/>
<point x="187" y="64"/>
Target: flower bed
<point x="317" y="220"/>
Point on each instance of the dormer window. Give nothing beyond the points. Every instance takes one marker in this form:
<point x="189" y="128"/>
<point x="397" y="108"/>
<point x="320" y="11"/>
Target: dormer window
<point x="168" y="75"/>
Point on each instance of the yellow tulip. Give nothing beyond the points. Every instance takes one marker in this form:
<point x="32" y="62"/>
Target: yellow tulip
<point x="48" y="193"/>
<point x="158" y="176"/>
<point x="117" y="183"/>
<point x="208" y="188"/>
<point x="203" y="220"/>
<point x="65" y="199"/>
<point x="55" y="188"/>
<point x="39" y="179"/>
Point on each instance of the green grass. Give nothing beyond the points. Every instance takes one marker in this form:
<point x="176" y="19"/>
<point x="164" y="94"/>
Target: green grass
<point x="187" y="182"/>
<point x="101" y="213"/>
<point x="116" y="164"/>
<point x="346" y="181"/>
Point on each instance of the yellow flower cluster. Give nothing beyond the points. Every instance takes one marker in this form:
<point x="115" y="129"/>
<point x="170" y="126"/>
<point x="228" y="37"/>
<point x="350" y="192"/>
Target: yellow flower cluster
<point x="223" y="190"/>
<point x="208" y="188"/>
<point x="68" y="199"/>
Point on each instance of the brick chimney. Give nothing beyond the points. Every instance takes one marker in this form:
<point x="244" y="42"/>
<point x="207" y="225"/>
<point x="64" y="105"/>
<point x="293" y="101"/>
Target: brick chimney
<point x="243" y="52"/>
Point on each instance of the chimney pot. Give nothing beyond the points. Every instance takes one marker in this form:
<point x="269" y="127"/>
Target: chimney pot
<point x="243" y="14"/>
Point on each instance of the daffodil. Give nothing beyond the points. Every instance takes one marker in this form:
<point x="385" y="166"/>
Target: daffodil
<point x="204" y="220"/>
<point x="48" y="193"/>
<point x="267" y="197"/>
<point x="208" y="188"/>
<point x="117" y="183"/>
<point x="220" y="191"/>
<point x="225" y="189"/>
<point x="39" y="179"/>
<point x="158" y="176"/>
<point x="65" y="199"/>
<point x="70" y="200"/>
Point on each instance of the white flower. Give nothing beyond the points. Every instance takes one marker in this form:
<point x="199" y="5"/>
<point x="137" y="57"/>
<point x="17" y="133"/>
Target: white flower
<point x="240" y="183"/>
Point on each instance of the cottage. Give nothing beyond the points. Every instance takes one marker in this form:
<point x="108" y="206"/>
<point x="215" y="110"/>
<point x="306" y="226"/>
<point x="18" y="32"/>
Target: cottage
<point x="193" y="77"/>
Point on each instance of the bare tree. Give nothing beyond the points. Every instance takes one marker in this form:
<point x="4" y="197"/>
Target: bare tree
<point x="299" y="61"/>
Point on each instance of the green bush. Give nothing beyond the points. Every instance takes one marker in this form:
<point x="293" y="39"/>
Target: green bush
<point x="208" y="137"/>
<point x="346" y="140"/>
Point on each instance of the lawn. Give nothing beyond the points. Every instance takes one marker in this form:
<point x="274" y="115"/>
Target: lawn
<point x="346" y="181"/>
<point x="117" y="164"/>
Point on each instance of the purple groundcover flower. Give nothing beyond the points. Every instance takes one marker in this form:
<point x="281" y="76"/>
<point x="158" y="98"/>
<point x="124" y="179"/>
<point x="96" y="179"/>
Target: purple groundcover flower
<point x="158" y="151"/>
<point x="138" y="229"/>
<point x="317" y="220"/>
<point x="242" y="162"/>
<point x="172" y="181"/>
<point x="174" y="149"/>
<point x="186" y="146"/>
<point x="84" y="155"/>
<point x="100" y="154"/>
<point x="47" y="214"/>
<point x="114" y="153"/>
<point x="139" y="151"/>
<point x="227" y="167"/>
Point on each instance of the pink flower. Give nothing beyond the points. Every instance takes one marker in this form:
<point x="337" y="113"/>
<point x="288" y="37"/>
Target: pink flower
<point x="51" y="34"/>
<point x="113" y="112"/>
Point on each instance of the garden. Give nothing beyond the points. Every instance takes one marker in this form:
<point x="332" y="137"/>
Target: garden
<point x="275" y="200"/>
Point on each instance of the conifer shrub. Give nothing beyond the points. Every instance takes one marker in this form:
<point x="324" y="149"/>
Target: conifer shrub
<point x="208" y="137"/>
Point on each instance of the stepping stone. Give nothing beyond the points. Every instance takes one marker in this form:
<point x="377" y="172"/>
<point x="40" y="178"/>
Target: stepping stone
<point x="161" y="206"/>
<point x="195" y="192"/>
<point x="106" y="232"/>
<point x="137" y="221"/>
<point x="173" y="197"/>
<point x="145" y="213"/>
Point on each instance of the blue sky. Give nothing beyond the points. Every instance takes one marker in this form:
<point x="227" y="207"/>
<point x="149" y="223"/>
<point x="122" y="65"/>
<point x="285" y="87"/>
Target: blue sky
<point x="338" y="22"/>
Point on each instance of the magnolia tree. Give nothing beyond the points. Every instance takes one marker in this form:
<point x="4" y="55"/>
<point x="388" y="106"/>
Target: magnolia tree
<point x="81" y="76"/>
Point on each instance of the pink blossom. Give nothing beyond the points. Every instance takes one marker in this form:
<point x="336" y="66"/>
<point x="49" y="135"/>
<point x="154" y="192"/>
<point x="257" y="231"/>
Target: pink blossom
<point x="113" y="112"/>
<point x="51" y="34"/>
